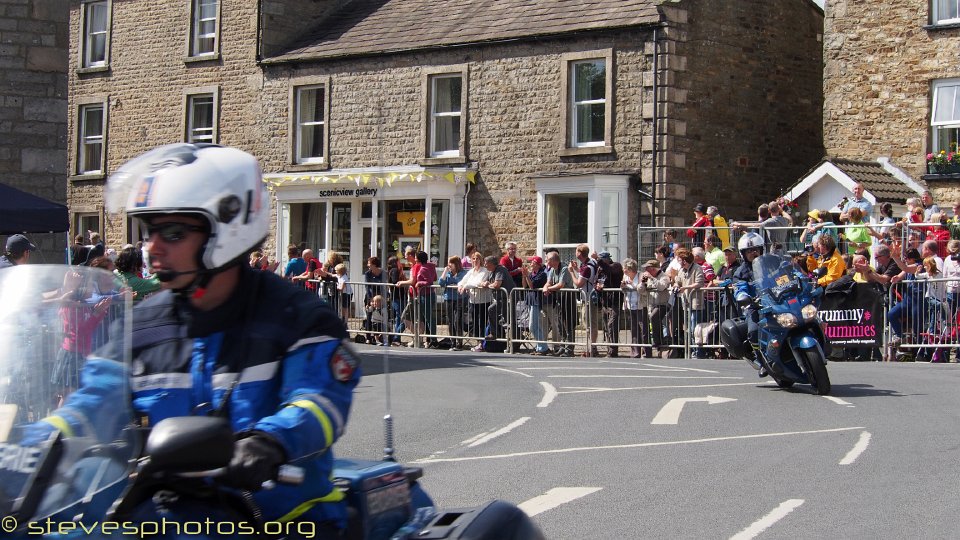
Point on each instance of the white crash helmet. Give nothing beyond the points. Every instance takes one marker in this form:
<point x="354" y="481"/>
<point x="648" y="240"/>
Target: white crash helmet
<point x="750" y="240"/>
<point x="222" y="185"/>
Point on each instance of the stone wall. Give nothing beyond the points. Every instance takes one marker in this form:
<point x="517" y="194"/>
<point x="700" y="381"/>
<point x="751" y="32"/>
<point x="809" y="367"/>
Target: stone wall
<point x="740" y="85"/>
<point x="33" y="102"/>
<point x="743" y="94"/>
<point x="880" y="60"/>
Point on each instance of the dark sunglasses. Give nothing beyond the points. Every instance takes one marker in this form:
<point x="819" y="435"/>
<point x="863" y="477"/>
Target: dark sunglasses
<point x="172" y="232"/>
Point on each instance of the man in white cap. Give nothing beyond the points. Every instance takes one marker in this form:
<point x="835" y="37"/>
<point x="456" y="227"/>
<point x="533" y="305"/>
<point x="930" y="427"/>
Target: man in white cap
<point x="17" y="252"/>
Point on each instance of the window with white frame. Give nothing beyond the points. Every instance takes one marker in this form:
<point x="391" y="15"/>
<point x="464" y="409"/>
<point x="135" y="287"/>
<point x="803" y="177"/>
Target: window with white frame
<point x="91" y="129"/>
<point x="311" y="124"/>
<point x="589" y="209"/>
<point x="200" y="118"/>
<point x="95" y="42"/>
<point x="204" y="27"/>
<point x="445" y="107"/>
<point x="588" y="102"/>
<point x="946" y="11"/>
<point x="945" y="116"/>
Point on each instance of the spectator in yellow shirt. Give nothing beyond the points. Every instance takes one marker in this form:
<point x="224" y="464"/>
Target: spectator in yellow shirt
<point x="827" y="256"/>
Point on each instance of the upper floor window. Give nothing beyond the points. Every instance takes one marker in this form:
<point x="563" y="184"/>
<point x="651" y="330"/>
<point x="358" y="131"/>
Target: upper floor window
<point x="201" y="118"/>
<point x="311" y="130"/>
<point x="946" y="11"/>
<point x="445" y="106"/>
<point x="204" y="27"/>
<point x="945" y="117"/>
<point x="95" y="43"/>
<point x="443" y="123"/>
<point x="588" y="102"/>
<point x="90" y="139"/>
<point x="588" y="91"/>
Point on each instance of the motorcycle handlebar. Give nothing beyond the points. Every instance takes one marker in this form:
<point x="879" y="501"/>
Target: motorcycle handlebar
<point x="289" y="475"/>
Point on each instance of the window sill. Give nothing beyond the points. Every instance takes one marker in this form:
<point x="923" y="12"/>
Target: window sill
<point x="301" y="167"/>
<point x="944" y="26"/>
<point x="586" y="151"/>
<point x="201" y="58"/>
<point x="87" y="176"/>
<point x="96" y="69"/>
<point x="941" y="177"/>
<point x="435" y="161"/>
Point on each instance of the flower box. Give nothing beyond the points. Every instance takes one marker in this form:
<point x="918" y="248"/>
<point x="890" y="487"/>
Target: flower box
<point x="943" y="168"/>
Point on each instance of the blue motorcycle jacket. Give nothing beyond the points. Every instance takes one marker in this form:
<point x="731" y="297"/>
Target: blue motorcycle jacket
<point x="282" y="350"/>
<point x="743" y="282"/>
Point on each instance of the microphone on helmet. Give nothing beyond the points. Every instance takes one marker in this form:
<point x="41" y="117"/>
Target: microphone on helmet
<point x="166" y="276"/>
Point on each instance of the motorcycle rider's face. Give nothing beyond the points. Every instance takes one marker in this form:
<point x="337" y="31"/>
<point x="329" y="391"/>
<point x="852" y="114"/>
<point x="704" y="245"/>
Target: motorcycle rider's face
<point x="178" y="255"/>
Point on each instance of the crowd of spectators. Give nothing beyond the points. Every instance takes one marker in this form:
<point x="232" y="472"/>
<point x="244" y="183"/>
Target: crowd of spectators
<point x="663" y="300"/>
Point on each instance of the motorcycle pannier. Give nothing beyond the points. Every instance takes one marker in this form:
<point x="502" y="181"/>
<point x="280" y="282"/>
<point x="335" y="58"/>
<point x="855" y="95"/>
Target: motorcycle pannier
<point x="733" y="335"/>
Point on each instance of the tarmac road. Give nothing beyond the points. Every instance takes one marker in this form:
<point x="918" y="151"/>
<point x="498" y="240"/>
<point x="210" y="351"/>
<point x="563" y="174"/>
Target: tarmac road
<point x="673" y="448"/>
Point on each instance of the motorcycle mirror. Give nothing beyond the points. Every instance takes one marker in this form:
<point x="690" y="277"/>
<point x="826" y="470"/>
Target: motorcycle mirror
<point x="190" y="444"/>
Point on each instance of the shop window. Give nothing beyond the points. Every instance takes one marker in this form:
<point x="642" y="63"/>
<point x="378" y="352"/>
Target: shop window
<point x="95" y="42"/>
<point x="308" y="226"/>
<point x="204" y="28"/>
<point x="945" y="116"/>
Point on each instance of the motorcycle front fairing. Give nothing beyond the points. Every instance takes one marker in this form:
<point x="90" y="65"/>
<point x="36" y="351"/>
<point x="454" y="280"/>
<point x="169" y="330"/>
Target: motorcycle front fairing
<point x="62" y="328"/>
<point x="788" y="317"/>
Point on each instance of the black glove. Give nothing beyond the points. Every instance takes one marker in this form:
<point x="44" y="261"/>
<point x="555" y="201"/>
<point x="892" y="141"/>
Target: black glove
<point x="256" y="459"/>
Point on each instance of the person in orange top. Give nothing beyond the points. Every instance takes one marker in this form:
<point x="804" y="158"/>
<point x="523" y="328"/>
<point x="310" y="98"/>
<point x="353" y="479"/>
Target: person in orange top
<point x="829" y="257"/>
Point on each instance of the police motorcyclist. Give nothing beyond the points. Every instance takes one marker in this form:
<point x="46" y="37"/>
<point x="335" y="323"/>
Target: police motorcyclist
<point x="219" y="325"/>
<point x="751" y="247"/>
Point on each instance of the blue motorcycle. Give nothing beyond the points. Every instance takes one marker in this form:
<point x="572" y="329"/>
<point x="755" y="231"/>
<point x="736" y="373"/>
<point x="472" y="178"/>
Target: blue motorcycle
<point x="117" y="478"/>
<point x="791" y="340"/>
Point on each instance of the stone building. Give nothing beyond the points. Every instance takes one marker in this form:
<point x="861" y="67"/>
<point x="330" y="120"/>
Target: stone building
<point x="892" y="84"/>
<point x="34" y="38"/>
<point x="384" y="124"/>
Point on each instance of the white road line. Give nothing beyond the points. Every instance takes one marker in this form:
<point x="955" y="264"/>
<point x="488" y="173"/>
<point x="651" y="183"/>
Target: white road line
<point x="838" y="401"/>
<point x="554" y="498"/>
<point x="502" y="431"/>
<point x="636" y="445"/>
<point x="549" y="394"/>
<point x="768" y="520"/>
<point x="604" y="368"/>
<point x="857" y="449"/>
<point x="588" y="389"/>
<point x="642" y="377"/>
<point x="682" y="368"/>
<point x="502" y="369"/>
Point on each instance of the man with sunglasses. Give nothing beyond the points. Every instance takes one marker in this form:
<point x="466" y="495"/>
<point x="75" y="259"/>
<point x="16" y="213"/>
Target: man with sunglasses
<point x="223" y="337"/>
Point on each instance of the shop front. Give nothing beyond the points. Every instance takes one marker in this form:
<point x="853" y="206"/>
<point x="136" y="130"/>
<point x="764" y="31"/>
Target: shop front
<point x="362" y="213"/>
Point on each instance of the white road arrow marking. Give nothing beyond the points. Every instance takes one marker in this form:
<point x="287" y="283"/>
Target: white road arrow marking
<point x="549" y="394"/>
<point x="554" y="498"/>
<point x="670" y="413"/>
<point x="502" y="431"/>
<point x="857" y="449"/>
<point x="768" y="520"/>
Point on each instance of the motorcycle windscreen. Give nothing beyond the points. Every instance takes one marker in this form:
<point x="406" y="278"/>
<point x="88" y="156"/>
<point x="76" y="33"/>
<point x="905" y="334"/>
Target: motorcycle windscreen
<point x="64" y="389"/>
<point x="772" y="272"/>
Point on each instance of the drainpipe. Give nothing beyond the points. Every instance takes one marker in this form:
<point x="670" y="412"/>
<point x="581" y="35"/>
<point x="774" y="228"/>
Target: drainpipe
<point x="656" y="126"/>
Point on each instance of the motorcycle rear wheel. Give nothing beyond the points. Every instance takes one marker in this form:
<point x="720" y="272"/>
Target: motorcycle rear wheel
<point x="818" y="376"/>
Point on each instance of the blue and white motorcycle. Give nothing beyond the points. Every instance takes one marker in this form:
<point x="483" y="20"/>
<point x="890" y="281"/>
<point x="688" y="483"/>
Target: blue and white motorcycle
<point x="120" y="480"/>
<point x="791" y="340"/>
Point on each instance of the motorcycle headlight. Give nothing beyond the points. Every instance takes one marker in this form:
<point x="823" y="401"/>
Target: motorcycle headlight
<point x="787" y="320"/>
<point x="809" y="311"/>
